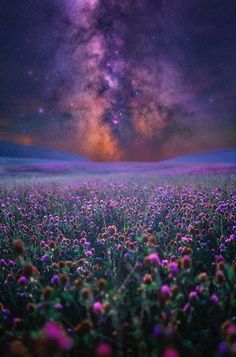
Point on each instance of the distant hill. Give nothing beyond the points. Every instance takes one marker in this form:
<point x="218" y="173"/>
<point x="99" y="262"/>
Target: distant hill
<point x="11" y="153"/>
<point x="18" y="151"/>
<point x="222" y="156"/>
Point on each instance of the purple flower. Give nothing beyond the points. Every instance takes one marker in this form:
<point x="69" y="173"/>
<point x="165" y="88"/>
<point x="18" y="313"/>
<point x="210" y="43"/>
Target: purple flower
<point x="192" y="295"/>
<point x="24" y="295"/>
<point x="45" y="258"/>
<point x="6" y="313"/>
<point x="55" y="279"/>
<point x="126" y="256"/>
<point x="22" y="280"/>
<point x="173" y="268"/>
<point x="58" y="307"/>
<point x="223" y="348"/>
<point x="186" y="307"/>
<point x="157" y="331"/>
<point x="11" y="263"/>
<point x="79" y="270"/>
<point x="2" y="262"/>
<point x="88" y="253"/>
<point x="215" y="299"/>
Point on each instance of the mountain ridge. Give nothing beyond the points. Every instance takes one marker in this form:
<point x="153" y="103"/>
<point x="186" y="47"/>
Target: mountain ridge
<point x="19" y="151"/>
<point x="9" y="150"/>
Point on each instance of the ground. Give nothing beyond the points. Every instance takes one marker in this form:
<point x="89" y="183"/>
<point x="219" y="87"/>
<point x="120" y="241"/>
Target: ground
<point x="118" y="260"/>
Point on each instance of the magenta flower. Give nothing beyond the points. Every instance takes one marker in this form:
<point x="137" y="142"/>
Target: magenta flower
<point x="171" y="352"/>
<point x="103" y="350"/>
<point x="231" y="330"/>
<point x="98" y="308"/>
<point x="154" y="258"/>
<point x="54" y="333"/>
<point x="166" y="292"/>
<point x="88" y="253"/>
<point x="22" y="280"/>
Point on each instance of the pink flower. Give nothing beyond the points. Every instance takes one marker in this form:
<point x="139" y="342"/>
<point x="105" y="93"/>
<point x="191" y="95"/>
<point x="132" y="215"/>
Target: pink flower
<point x="186" y="262"/>
<point x="98" y="308"/>
<point x="154" y="258"/>
<point x="166" y="292"/>
<point x="231" y="330"/>
<point x="170" y="352"/>
<point x="54" y="333"/>
<point x="103" y="350"/>
<point x="89" y="253"/>
<point x="192" y="295"/>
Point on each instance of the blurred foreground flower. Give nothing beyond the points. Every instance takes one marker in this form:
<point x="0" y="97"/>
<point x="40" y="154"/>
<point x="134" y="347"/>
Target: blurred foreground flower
<point x="103" y="350"/>
<point x="171" y="352"/>
<point x="55" y="337"/>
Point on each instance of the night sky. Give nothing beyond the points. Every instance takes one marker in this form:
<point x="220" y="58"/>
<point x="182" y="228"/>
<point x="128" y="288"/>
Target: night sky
<point x="118" y="79"/>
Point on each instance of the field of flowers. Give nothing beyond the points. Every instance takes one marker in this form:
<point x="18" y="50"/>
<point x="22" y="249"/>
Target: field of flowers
<point x="118" y="268"/>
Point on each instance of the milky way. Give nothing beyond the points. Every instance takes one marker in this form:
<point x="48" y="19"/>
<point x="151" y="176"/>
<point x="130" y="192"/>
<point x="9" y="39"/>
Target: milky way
<point x="118" y="80"/>
<point x="127" y="98"/>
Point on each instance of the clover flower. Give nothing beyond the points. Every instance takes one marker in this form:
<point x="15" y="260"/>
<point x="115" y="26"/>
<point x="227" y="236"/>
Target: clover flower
<point x="53" y="332"/>
<point x="98" y="307"/>
<point x="103" y="350"/>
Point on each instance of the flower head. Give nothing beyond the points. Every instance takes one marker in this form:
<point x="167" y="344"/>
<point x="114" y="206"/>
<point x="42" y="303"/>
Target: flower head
<point x="192" y="295"/>
<point x="153" y="258"/>
<point x="186" y="261"/>
<point x="103" y="350"/>
<point x="54" y="333"/>
<point x="173" y="268"/>
<point x="19" y="247"/>
<point x="98" y="308"/>
<point x="55" y="279"/>
<point x="170" y="352"/>
<point x="22" y="280"/>
<point x="166" y="292"/>
<point x="45" y="258"/>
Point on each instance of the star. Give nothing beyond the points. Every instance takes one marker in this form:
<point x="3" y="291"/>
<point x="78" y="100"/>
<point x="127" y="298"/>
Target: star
<point x="41" y="110"/>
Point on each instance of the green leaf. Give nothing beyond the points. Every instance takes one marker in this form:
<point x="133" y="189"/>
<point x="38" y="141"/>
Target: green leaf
<point x="139" y="239"/>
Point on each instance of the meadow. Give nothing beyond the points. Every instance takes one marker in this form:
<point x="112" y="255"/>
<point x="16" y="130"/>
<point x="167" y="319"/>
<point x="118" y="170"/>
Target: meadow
<point x="118" y="265"/>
